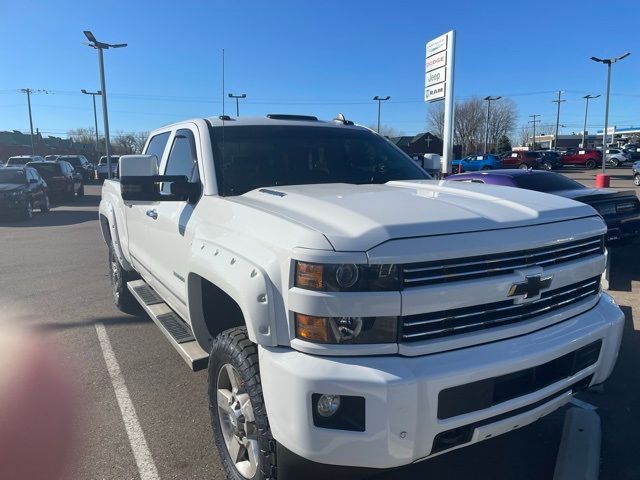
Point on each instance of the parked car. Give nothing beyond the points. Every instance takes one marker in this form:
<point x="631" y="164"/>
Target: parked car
<point x="523" y="160"/>
<point x="63" y="181"/>
<point x="620" y="209"/>
<point x="588" y="158"/>
<point x="617" y="157"/>
<point x="635" y="169"/>
<point x="19" y="160"/>
<point x="101" y="169"/>
<point x="22" y="190"/>
<point x="632" y="150"/>
<point x="550" y="159"/>
<point x="473" y="163"/>
<point x="81" y="164"/>
<point x="352" y="313"/>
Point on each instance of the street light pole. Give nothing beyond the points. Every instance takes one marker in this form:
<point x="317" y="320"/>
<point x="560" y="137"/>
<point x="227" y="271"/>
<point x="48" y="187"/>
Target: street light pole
<point x="558" y="101"/>
<point x="95" y="115"/>
<point x="608" y="62"/>
<point x="101" y="46"/>
<point x="380" y="100"/>
<point x="488" y="99"/>
<point x="586" y="110"/>
<point x="238" y="97"/>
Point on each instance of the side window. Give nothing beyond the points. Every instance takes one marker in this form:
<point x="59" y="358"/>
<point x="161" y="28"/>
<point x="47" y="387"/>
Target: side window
<point x="157" y="144"/>
<point x="182" y="159"/>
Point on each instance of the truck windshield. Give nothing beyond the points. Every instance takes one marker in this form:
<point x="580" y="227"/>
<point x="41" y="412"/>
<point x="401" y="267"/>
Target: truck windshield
<point x="250" y="157"/>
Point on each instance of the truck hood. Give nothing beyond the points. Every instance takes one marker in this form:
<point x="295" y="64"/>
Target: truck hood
<point x="359" y="217"/>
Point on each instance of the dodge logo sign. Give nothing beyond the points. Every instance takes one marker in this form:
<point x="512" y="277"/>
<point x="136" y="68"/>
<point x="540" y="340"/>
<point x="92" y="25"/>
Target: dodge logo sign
<point x="531" y="287"/>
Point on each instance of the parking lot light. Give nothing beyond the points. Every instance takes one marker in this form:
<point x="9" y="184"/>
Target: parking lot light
<point x="95" y="115"/>
<point x="488" y="99"/>
<point x="100" y="46"/>
<point x="586" y="110"/>
<point x="608" y="62"/>
<point x="380" y="100"/>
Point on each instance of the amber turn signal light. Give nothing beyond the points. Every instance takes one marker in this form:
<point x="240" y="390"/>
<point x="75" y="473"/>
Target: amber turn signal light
<point x="314" y="329"/>
<point x="309" y="275"/>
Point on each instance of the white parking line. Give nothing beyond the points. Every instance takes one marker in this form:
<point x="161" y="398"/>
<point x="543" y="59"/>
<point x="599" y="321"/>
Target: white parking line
<point x="144" y="460"/>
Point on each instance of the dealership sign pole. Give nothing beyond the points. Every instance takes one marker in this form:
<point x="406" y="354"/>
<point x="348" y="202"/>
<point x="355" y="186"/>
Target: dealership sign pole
<point x="439" y="74"/>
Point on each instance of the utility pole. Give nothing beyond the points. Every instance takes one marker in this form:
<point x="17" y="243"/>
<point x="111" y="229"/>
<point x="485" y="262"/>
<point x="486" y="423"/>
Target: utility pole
<point x="101" y="46"/>
<point x="608" y="62"/>
<point x="488" y="99"/>
<point x="558" y="101"/>
<point x="534" y="121"/>
<point x="586" y="110"/>
<point x="380" y="100"/>
<point x="28" y="92"/>
<point x="95" y="115"/>
<point x="238" y="97"/>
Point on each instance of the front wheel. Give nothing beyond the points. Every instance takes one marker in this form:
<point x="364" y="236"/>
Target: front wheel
<point x="238" y="416"/>
<point x="81" y="191"/>
<point x="46" y="204"/>
<point x="547" y="166"/>
<point x="27" y="214"/>
<point x="523" y="166"/>
<point x="590" y="165"/>
<point x="486" y="167"/>
<point x="615" y="162"/>
<point x="636" y="179"/>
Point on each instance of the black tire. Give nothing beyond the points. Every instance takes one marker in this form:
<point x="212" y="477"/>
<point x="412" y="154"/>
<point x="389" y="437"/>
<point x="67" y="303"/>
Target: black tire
<point x="46" y="204"/>
<point x="27" y="214"/>
<point x="122" y="297"/>
<point x="81" y="191"/>
<point x="523" y="166"/>
<point x="486" y="167"/>
<point x="636" y="179"/>
<point x="615" y="162"/>
<point x="233" y="347"/>
<point x="590" y="164"/>
<point x="547" y="166"/>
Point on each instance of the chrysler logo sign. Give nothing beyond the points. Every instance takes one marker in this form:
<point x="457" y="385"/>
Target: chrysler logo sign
<point x="531" y="287"/>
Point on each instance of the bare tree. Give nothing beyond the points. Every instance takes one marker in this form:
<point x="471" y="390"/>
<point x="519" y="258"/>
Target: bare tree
<point x="523" y="136"/>
<point x="385" y="130"/>
<point x="126" y="142"/>
<point x="82" y="135"/>
<point x="470" y="122"/>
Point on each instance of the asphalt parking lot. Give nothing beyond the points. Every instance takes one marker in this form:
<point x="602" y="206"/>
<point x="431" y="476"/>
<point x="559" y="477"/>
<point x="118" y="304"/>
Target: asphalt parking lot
<point x="55" y="279"/>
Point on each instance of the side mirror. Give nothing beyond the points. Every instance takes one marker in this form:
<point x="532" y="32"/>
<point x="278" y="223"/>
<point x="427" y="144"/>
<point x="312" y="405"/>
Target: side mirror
<point x="139" y="181"/>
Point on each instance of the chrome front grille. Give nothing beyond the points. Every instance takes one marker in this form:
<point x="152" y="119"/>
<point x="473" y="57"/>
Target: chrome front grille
<point x="445" y="271"/>
<point x="447" y="323"/>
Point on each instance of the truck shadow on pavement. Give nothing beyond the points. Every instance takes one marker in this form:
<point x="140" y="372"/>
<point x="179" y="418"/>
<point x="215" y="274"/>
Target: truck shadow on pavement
<point x="90" y="322"/>
<point x="52" y="218"/>
<point x="625" y="268"/>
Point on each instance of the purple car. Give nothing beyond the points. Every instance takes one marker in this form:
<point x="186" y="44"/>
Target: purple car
<point x="620" y="209"/>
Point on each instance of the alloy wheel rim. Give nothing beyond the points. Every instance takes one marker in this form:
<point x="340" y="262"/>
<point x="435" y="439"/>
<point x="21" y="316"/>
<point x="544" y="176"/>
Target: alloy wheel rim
<point x="237" y="421"/>
<point x="29" y="209"/>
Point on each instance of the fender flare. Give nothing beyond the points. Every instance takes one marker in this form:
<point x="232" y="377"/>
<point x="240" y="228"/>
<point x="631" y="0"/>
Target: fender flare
<point x="244" y="281"/>
<point x="111" y="236"/>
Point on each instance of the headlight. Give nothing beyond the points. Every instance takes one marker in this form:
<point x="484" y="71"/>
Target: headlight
<point x="346" y="330"/>
<point x="347" y="277"/>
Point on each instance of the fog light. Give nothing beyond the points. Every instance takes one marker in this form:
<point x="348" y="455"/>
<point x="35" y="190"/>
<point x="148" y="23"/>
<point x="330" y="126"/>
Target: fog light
<point x="328" y="405"/>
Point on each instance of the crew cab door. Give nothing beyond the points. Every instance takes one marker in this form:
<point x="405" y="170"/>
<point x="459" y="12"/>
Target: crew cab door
<point x="171" y="230"/>
<point x="139" y="217"/>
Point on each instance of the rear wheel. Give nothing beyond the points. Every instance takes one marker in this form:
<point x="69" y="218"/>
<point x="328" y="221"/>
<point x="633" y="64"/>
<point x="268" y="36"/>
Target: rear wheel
<point x="81" y="191"/>
<point x="486" y="167"/>
<point x="523" y="166"/>
<point x="591" y="164"/>
<point x="46" y="205"/>
<point x="122" y="297"/>
<point x="636" y="179"/>
<point x="615" y="162"/>
<point x="547" y="166"/>
<point x="236" y="406"/>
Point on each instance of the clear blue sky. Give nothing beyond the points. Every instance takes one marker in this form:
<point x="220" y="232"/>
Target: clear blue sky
<point x="320" y="57"/>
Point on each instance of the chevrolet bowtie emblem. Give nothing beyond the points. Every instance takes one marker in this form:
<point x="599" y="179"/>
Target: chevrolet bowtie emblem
<point x="531" y="287"/>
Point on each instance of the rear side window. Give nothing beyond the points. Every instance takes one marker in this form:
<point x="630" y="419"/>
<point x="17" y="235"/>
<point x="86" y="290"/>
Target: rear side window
<point x="48" y="170"/>
<point x="182" y="159"/>
<point x="157" y="144"/>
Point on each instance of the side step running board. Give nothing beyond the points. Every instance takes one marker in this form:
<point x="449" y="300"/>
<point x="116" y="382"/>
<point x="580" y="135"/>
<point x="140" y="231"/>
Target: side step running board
<point x="170" y="324"/>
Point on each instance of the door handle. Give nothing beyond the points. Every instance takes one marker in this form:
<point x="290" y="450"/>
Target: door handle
<point x="152" y="213"/>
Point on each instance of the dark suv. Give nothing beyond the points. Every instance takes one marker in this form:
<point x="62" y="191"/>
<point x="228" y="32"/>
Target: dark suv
<point x="81" y="165"/>
<point x="21" y="190"/>
<point x="550" y="159"/>
<point x="522" y="159"/>
<point x="63" y="180"/>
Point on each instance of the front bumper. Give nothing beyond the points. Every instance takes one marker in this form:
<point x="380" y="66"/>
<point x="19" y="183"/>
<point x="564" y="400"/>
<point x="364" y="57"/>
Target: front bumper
<point x="402" y="393"/>
<point x="10" y="206"/>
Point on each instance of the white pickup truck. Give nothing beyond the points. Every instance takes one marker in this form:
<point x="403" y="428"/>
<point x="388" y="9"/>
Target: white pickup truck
<point x="354" y="315"/>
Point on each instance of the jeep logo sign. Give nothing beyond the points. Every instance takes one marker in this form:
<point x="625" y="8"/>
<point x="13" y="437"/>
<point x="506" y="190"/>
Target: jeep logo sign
<point x="436" y="76"/>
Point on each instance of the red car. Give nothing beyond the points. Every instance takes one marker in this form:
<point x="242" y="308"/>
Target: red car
<point x="587" y="158"/>
<point x="524" y="160"/>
